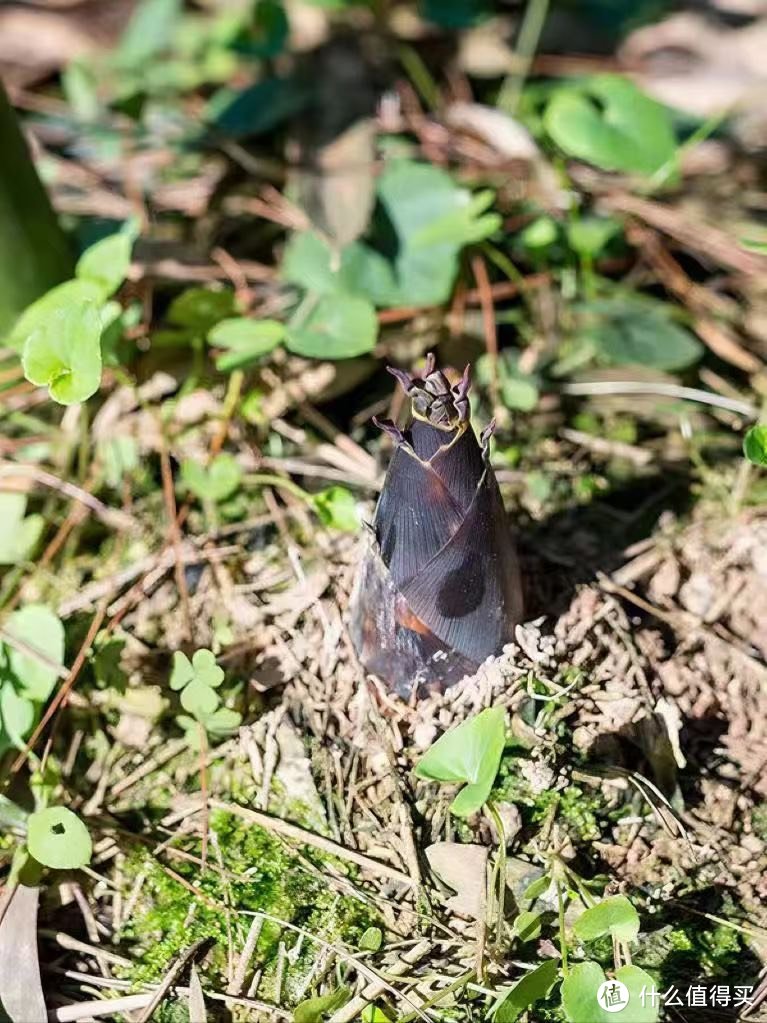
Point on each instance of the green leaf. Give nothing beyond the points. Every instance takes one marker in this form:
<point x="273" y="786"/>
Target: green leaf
<point x="200" y="308"/>
<point x="614" y="915"/>
<point x="433" y="219"/>
<point x="17" y="715"/>
<point x="530" y="989"/>
<point x="149" y="32"/>
<point x="214" y="482"/>
<point x="182" y="671"/>
<point x="579" y="995"/>
<point x="315" y="1010"/>
<point x="340" y="326"/>
<point x="537" y="888"/>
<point x="470" y="753"/>
<point x="64" y="353"/>
<point x="197" y="679"/>
<point x="609" y="122"/>
<point x="310" y="263"/>
<point x="222" y="723"/>
<point x="630" y="330"/>
<point x="527" y="926"/>
<point x="69" y="294"/>
<point x="371" y="940"/>
<point x="107" y="262"/>
<point x="246" y="341"/>
<point x="589" y="235"/>
<point x="37" y="626"/>
<point x="120" y="457"/>
<point x="57" y="838"/>
<point x="19" y="535"/>
<point x="337" y="508"/>
<point x="755" y="445"/>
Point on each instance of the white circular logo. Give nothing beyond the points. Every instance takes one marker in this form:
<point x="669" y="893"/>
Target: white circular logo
<point x="613" y="996"/>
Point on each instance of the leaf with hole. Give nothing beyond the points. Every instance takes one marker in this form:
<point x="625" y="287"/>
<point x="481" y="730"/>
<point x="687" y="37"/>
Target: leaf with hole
<point x="64" y="353"/>
<point x="755" y="445"/>
<point x="531" y="988"/>
<point x="57" y="838"/>
<point x="338" y="326"/>
<point x="36" y="626"/>
<point x="609" y="122"/>
<point x="244" y="341"/>
<point x="19" y="535"/>
<point x="470" y="753"/>
<point x="213" y="482"/>
<point x="614" y="915"/>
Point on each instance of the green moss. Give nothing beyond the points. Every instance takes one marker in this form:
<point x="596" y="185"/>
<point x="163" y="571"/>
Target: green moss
<point x="759" y="821"/>
<point x="169" y="918"/>
<point x="684" y="953"/>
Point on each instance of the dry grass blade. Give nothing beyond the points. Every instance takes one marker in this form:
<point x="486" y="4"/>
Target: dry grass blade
<point x="21" y="990"/>
<point x="170" y="978"/>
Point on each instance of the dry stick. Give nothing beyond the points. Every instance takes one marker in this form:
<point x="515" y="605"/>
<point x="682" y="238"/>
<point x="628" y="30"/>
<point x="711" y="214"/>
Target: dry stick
<point x="174" y="529"/>
<point x="61" y="696"/>
<point x="354" y="1009"/>
<point x="661" y="390"/>
<point x="169" y="978"/>
<point x="254" y="933"/>
<point x="111" y="516"/>
<point x="479" y="269"/>
<point x="299" y="834"/>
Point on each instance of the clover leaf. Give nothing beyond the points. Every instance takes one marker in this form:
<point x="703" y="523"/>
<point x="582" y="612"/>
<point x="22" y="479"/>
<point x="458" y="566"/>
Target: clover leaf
<point x="244" y="341"/>
<point x="470" y="753"/>
<point x="614" y="915"/>
<point x="581" y="985"/>
<point x="214" y="482"/>
<point x="197" y="681"/>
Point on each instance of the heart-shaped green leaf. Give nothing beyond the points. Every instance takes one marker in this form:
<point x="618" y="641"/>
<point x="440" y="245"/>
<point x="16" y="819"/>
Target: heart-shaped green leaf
<point x="470" y="753"/>
<point x="337" y="508"/>
<point x="57" y="838"/>
<point x="614" y="915"/>
<point x="17" y="715"/>
<point x="607" y="121"/>
<point x="583" y="1001"/>
<point x="106" y="263"/>
<point x="214" y="482"/>
<point x="63" y="353"/>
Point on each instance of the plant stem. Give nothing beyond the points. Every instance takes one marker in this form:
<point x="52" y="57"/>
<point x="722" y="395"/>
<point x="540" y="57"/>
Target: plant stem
<point x="499" y="874"/>
<point x="562" y="938"/>
<point x="34" y="252"/>
<point x="268" y="480"/>
<point x="527" y="43"/>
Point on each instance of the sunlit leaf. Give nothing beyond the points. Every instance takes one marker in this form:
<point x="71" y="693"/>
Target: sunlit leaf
<point x="530" y="989"/>
<point x="246" y="341"/>
<point x="64" y="353"/>
<point x="213" y="482"/>
<point x="38" y="627"/>
<point x="339" y="326"/>
<point x="337" y="508"/>
<point x="755" y="444"/>
<point x="469" y="753"/>
<point x="19" y="534"/>
<point x="606" y="120"/>
<point x="57" y="838"/>
<point x="581" y="986"/>
<point x="614" y="915"/>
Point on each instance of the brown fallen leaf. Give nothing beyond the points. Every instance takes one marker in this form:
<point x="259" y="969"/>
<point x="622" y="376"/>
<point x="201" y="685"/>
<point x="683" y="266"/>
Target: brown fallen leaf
<point x="464" y="869"/>
<point x="21" y="990"/>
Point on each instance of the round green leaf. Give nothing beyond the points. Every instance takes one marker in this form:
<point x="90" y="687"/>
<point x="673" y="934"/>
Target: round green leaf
<point x="755" y="445"/>
<point x="214" y="482"/>
<point x="70" y="293"/>
<point x="64" y="353"/>
<point x="614" y="915"/>
<point x="17" y="715"/>
<point x="39" y="627"/>
<point x="199" y="699"/>
<point x="607" y="121"/>
<point x="57" y="838"/>
<point x="200" y="308"/>
<point x="580" y="988"/>
<point x="340" y="326"/>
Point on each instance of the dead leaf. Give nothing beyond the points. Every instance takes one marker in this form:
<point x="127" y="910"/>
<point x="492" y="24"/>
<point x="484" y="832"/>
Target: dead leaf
<point x="506" y="135"/>
<point x="464" y="869"/>
<point x="21" y="990"/>
<point x="197" y="1013"/>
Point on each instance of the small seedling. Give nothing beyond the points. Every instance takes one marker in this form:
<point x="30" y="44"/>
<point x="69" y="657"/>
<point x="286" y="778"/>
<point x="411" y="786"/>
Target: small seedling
<point x="470" y="754"/>
<point x="215" y="482"/>
<point x="755" y="445"/>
